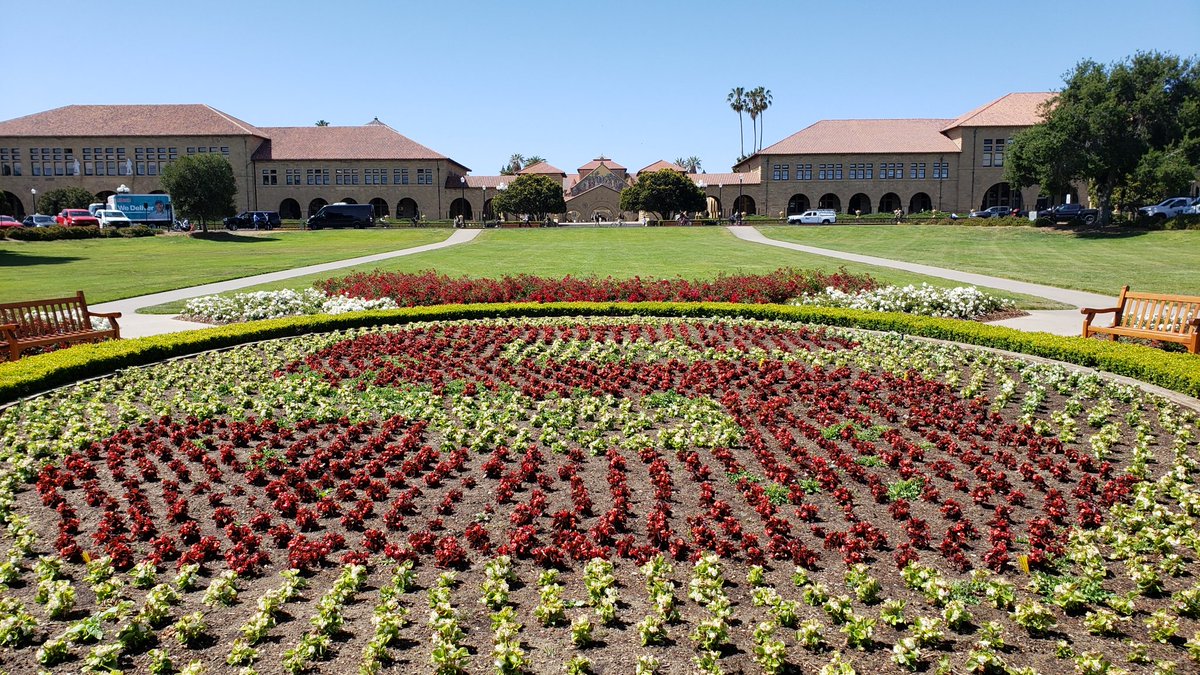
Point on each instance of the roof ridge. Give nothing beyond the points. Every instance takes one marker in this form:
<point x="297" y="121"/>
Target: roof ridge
<point x="230" y="118"/>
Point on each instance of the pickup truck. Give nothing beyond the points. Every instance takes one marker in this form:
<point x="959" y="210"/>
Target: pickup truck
<point x="816" y="216"/>
<point x="1168" y="208"/>
<point x="80" y="217"/>
<point x="1064" y="213"/>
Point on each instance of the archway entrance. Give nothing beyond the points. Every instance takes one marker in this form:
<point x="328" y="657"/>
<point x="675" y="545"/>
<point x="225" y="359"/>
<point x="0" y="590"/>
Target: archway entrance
<point x="315" y="205"/>
<point x="349" y="200"/>
<point x="859" y="203"/>
<point x="830" y="201"/>
<point x="797" y="204"/>
<point x="289" y="209"/>
<point x="889" y="202"/>
<point x="920" y="203"/>
<point x="406" y="208"/>
<point x="714" y="207"/>
<point x="460" y="207"/>
<point x="11" y="205"/>
<point x="745" y="205"/>
<point x="380" y="207"/>
<point x="1001" y="194"/>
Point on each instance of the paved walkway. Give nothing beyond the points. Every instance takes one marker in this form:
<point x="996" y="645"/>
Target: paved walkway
<point x="1059" y="322"/>
<point x="134" y="324"/>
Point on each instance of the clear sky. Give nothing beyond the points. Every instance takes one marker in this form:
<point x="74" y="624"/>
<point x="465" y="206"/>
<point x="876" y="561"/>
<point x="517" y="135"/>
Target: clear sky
<point x="639" y="81"/>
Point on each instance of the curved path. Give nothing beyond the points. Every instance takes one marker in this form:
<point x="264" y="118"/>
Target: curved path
<point x="1059" y="322"/>
<point x="134" y="324"/>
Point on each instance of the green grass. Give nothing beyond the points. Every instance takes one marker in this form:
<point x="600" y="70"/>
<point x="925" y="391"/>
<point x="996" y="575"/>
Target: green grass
<point x="691" y="253"/>
<point x="111" y="269"/>
<point x="1099" y="261"/>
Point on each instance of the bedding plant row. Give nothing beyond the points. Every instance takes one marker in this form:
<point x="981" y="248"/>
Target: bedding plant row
<point x="605" y="494"/>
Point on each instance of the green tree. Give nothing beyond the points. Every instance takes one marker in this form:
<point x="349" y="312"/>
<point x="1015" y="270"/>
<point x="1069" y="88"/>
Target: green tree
<point x="737" y="101"/>
<point x="759" y="100"/>
<point x="64" y="198"/>
<point x="689" y="164"/>
<point x="531" y="194"/>
<point x="322" y="123"/>
<point x="201" y="187"/>
<point x="663" y="192"/>
<point x="1130" y="130"/>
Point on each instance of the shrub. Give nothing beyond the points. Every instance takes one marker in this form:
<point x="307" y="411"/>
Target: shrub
<point x="59" y="233"/>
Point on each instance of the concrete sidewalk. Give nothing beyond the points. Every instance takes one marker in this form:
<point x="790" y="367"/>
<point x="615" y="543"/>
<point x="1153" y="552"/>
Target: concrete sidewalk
<point x="1058" y="322"/>
<point x="135" y="325"/>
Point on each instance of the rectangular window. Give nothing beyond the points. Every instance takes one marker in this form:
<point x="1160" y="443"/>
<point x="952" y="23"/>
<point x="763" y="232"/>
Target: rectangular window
<point x="292" y="176"/>
<point x="153" y="168"/>
<point x="775" y="172"/>
<point x="786" y="171"/>
<point x="921" y="170"/>
<point x="141" y="168"/>
<point x="36" y="168"/>
<point x="270" y="177"/>
<point x="341" y="178"/>
<point x="837" y="172"/>
<point x="820" y="172"/>
<point x="987" y="152"/>
<point x="998" y="157"/>
<point x="424" y="177"/>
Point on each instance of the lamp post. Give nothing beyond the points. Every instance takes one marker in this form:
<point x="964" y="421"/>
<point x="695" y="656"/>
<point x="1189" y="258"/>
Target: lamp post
<point x="721" y="200"/>
<point x="33" y="196"/>
<point x="739" y="201"/>
<point x="462" y="208"/>
<point x="501" y="187"/>
<point x="483" y="206"/>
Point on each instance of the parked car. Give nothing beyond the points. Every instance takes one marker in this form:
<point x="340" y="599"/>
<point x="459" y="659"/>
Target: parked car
<point x="1194" y="209"/>
<point x="993" y="212"/>
<point x="1167" y="208"/>
<point x="341" y="214"/>
<point x="821" y="216"/>
<point x="73" y="217"/>
<point x="111" y="218"/>
<point x="38" y="220"/>
<point x="9" y="221"/>
<point x="1064" y="213"/>
<point x="268" y="220"/>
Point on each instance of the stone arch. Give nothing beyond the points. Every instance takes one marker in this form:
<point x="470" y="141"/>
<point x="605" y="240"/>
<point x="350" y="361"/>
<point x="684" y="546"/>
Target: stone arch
<point x="380" y="207"/>
<point x="859" y="203"/>
<point x="798" y="204"/>
<point x="461" y="207"/>
<point x="348" y="200"/>
<point x="157" y="192"/>
<point x="487" y="210"/>
<point x="713" y="206"/>
<point x="1001" y="194"/>
<point x="11" y="206"/>
<point x="315" y="205"/>
<point x="289" y="209"/>
<point x="830" y="201"/>
<point x="572" y="216"/>
<point x="103" y="195"/>
<point x="744" y="204"/>
<point x="603" y="213"/>
<point x="407" y="208"/>
<point x="920" y="203"/>
<point x="889" y="202"/>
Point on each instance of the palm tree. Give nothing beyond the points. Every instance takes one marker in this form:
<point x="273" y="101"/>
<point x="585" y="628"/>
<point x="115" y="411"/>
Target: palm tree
<point x="752" y="107"/>
<point x="533" y="159"/>
<point x="737" y="101"/>
<point x="689" y="164"/>
<point x="762" y="98"/>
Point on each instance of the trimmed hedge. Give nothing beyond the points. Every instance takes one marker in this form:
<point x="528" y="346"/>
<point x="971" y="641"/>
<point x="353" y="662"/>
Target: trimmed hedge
<point x="57" y="233"/>
<point x="1175" y="371"/>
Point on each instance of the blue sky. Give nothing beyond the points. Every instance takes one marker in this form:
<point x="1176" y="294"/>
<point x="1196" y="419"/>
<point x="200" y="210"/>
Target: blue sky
<point x="636" y="81"/>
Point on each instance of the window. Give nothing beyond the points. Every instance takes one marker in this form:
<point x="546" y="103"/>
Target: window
<point x="346" y="176"/>
<point x="804" y="172"/>
<point x="918" y="171"/>
<point x="941" y="170"/>
<point x="987" y="152"/>
<point x="317" y="176"/>
<point x="424" y="176"/>
<point x="400" y="176"/>
<point x="375" y="176"/>
<point x="837" y="172"/>
<point x="820" y="172"/>
<point x="292" y="176"/>
<point x="270" y="177"/>
<point x="998" y="156"/>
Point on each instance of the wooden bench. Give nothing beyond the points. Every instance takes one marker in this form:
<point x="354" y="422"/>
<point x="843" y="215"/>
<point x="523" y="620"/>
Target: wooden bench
<point x="40" y="323"/>
<point x="1150" y="316"/>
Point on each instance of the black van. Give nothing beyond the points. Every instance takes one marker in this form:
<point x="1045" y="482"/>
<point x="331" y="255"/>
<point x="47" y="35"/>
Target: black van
<point x="343" y="215"/>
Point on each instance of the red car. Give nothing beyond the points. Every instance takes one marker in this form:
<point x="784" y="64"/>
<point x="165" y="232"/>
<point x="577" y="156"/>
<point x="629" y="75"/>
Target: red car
<point x="81" y="217"/>
<point x="9" y="221"/>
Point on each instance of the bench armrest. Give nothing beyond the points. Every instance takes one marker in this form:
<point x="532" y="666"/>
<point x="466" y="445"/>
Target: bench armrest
<point x="5" y="327"/>
<point x="105" y="315"/>
<point x="1091" y="312"/>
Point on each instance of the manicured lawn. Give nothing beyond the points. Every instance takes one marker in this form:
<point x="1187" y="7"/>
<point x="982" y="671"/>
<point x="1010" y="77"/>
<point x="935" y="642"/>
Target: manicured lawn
<point x="1100" y="262"/>
<point x="111" y="269"/>
<point x="692" y="253"/>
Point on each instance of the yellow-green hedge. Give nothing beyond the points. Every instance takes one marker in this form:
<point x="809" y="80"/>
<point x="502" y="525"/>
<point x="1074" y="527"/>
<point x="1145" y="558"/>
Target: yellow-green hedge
<point x="1179" y="372"/>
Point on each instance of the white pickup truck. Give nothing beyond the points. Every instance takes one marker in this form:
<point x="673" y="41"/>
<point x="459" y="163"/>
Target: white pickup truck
<point x="818" y="216"/>
<point x="1168" y="208"/>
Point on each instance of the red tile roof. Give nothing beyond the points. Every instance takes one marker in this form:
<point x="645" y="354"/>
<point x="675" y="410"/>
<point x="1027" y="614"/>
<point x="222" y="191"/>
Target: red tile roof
<point x="489" y="182"/>
<point x="543" y="168"/>
<point x="712" y="180"/>
<point x="370" y="142"/>
<point x="854" y="137"/>
<point x="129" y="120"/>
<point x="595" y="163"/>
<point x="1013" y="110"/>
<point x="660" y="165"/>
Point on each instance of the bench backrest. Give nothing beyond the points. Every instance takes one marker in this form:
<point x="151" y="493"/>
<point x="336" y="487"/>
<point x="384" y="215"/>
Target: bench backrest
<point x="56" y="316"/>
<point x="1159" y="312"/>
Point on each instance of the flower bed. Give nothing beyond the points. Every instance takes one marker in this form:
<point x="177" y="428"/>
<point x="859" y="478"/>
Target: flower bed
<point x="962" y="302"/>
<point x="731" y="494"/>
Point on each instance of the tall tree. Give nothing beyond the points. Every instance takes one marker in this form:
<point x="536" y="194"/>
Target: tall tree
<point x="689" y="164"/>
<point x="56" y="200"/>
<point x="531" y="194"/>
<point x="663" y="192"/>
<point x="1128" y="130"/>
<point x="752" y="109"/>
<point x="515" y="164"/>
<point x="322" y="123"/>
<point x="533" y="159"/>
<point x="201" y="187"/>
<point x="737" y="101"/>
<point x="761" y="99"/>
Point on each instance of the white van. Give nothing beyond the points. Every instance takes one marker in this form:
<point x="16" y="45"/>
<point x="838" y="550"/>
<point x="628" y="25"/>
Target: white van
<point x="821" y="216"/>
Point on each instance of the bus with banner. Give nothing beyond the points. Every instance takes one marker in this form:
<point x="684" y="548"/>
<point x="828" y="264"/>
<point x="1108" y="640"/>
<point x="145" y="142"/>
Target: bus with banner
<point x="152" y="210"/>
